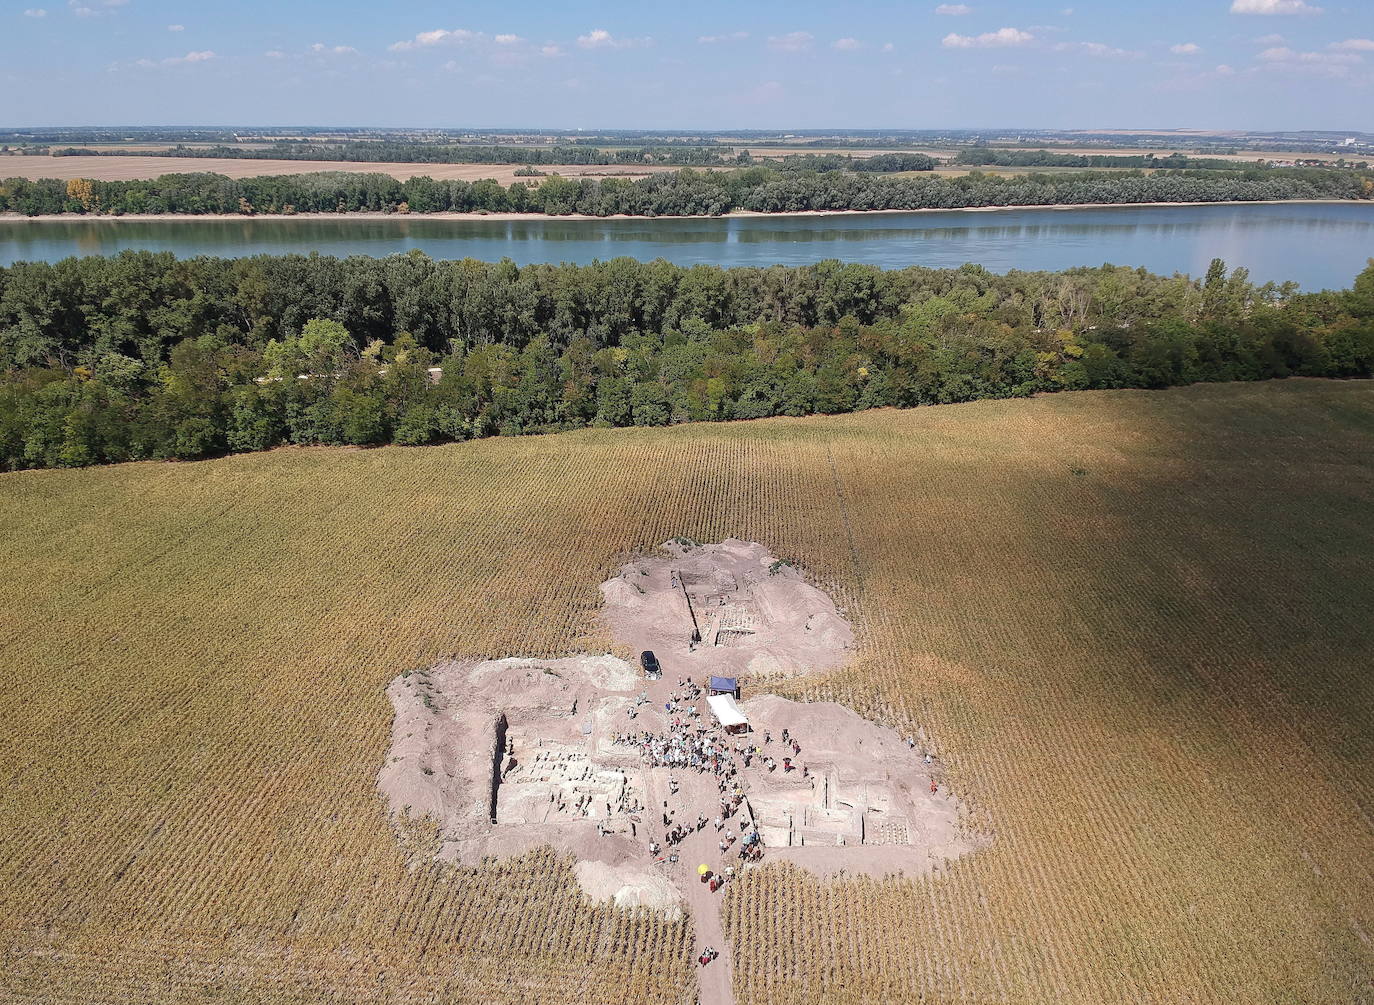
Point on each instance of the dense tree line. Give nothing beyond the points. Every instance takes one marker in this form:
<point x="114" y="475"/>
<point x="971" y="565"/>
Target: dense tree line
<point x="895" y="162"/>
<point x="142" y="355"/>
<point x="985" y="156"/>
<point x="878" y="163"/>
<point x="679" y="193"/>
<point x="399" y="152"/>
<point x="993" y="157"/>
<point x="379" y="151"/>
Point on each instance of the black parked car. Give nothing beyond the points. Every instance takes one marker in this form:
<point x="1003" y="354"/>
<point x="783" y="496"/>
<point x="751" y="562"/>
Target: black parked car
<point x="650" y="664"/>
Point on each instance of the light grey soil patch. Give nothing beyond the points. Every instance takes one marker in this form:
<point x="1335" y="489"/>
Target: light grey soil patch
<point x="755" y="615"/>
<point x="506" y="755"/>
<point x="865" y="804"/>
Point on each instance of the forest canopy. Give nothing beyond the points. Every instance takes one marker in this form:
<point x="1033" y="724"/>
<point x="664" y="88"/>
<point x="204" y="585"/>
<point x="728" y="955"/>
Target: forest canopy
<point x="144" y="355"/>
<point x="685" y="192"/>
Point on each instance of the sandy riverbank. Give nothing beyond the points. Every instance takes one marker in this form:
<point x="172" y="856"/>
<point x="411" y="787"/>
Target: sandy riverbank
<point x="742" y="213"/>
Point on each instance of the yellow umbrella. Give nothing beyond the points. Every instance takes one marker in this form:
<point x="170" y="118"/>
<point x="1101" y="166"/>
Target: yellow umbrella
<point x="702" y="870"/>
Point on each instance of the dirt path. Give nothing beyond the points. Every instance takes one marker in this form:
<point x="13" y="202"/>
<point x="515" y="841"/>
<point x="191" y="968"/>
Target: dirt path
<point x="697" y="797"/>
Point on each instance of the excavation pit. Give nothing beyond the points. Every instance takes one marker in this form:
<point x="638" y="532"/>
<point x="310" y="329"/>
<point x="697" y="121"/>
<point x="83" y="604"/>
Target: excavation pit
<point x="509" y="754"/>
<point x="731" y="609"/>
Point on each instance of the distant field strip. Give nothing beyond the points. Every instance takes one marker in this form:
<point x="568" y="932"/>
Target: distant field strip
<point x="1135" y="626"/>
<point x="115" y="168"/>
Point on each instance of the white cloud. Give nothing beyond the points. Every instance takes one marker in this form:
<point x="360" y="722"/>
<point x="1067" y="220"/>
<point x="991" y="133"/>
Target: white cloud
<point x="94" y="8"/>
<point x="1273" y="7"/>
<point x="846" y="44"/>
<point x="1183" y="82"/>
<point x="600" y="38"/>
<point x="550" y="50"/>
<point x="1185" y="49"/>
<point x="1098" y="50"/>
<point x="35" y="12"/>
<point x="734" y="36"/>
<point x="205" y="55"/>
<point x="888" y="47"/>
<point x="1286" y="55"/>
<point x="176" y="27"/>
<point x="439" y="36"/>
<point x="452" y="66"/>
<point x="507" y="39"/>
<point x="1323" y="64"/>
<point x="793" y="41"/>
<point x="953" y="9"/>
<point x="337" y="50"/>
<point x="1354" y="45"/>
<point x="274" y="54"/>
<point x="1001" y="38"/>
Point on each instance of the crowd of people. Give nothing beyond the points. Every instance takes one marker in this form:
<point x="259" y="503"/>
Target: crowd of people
<point x="691" y="743"/>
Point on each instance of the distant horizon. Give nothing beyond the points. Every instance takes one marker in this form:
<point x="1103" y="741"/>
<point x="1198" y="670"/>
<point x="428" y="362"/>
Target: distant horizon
<point x="816" y="131"/>
<point x="1253" y="64"/>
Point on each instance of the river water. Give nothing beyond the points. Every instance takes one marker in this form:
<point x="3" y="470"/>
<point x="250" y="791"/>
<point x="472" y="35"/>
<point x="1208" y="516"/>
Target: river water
<point x="1317" y="245"/>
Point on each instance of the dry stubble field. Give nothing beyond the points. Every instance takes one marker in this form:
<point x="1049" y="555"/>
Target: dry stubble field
<point x="1135" y="624"/>
<point x="134" y="167"/>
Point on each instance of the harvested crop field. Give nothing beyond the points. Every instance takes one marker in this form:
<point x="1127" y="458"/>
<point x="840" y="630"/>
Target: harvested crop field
<point x="117" y="168"/>
<point x="1133" y="625"/>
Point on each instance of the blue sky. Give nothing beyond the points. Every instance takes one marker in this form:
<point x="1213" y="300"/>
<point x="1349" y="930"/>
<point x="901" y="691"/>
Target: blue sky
<point x="1248" y="64"/>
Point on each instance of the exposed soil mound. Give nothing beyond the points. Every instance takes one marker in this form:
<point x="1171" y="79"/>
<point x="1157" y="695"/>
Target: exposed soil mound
<point x="732" y="609"/>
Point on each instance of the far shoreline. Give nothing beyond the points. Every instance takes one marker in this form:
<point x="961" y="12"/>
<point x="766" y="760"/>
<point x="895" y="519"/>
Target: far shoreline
<point x="507" y="217"/>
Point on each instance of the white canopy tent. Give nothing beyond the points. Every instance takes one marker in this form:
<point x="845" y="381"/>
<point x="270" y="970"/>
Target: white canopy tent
<point x="727" y="712"/>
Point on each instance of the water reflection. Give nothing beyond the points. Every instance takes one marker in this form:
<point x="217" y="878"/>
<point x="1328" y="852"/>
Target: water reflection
<point x="1318" y="245"/>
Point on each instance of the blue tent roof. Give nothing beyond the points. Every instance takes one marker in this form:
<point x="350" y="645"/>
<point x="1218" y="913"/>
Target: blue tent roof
<point x="724" y="684"/>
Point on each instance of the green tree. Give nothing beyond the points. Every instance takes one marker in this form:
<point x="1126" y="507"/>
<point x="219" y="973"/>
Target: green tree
<point x="649" y="405"/>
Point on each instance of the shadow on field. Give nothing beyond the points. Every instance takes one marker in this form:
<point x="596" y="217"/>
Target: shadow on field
<point x="1136" y="627"/>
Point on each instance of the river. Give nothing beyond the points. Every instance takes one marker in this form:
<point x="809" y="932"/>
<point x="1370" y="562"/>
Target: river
<point x="1319" y="245"/>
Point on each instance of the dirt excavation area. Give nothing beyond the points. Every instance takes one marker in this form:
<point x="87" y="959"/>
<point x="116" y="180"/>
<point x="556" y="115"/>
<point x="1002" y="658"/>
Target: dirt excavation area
<point x="669" y="777"/>
<point x="506" y="755"/>
<point x="729" y="609"/>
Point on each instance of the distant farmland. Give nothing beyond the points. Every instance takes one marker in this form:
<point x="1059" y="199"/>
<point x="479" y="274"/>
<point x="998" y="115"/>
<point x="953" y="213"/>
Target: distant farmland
<point x="1135" y="625"/>
<point x="115" y="168"/>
